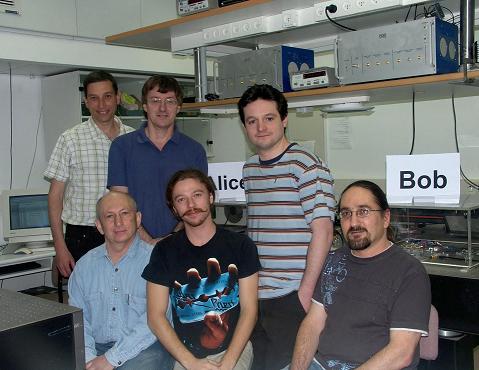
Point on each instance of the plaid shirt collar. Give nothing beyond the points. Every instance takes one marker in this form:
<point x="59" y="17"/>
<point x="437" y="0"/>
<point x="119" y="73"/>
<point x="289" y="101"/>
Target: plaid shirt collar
<point x="97" y="134"/>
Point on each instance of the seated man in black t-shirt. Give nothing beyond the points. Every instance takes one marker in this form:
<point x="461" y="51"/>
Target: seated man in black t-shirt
<point x="372" y="302"/>
<point x="210" y="275"/>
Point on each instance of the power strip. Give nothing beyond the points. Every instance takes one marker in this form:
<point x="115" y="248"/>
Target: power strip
<point x="352" y="7"/>
<point x="280" y="20"/>
<point x="236" y="30"/>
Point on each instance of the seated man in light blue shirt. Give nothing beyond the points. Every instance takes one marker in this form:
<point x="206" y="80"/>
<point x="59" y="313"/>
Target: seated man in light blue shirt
<point x="107" y="284"/>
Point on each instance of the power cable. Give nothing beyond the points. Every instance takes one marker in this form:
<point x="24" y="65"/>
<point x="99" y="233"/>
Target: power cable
<point x="36" y="146"/>
<point x="471" y="183"/>
<point x="11" y="123"/>
<point x="331" y="8"/>
<point x="413" y="121"/>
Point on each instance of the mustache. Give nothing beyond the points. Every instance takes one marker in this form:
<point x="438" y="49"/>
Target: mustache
<point x="355" y="229"/>
<point x="193" y="210"/>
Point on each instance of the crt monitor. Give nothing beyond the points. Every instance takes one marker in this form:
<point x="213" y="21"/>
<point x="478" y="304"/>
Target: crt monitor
<point x="25" y="216"/>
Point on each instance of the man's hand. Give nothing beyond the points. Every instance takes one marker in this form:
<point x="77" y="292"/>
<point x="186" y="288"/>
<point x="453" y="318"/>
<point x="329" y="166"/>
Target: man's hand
<point x="204" y="364"/>
<point x="64" y="261"/>
<point x="305" y="296"/>
<point x="99" y="363"/>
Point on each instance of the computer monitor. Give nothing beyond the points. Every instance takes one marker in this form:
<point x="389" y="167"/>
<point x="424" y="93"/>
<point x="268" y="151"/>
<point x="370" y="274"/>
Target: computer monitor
<point x="25" y="216"/>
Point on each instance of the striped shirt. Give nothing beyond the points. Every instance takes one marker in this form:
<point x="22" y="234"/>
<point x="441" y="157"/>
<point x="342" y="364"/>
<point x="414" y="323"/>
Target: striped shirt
<point x="284" y="195"/>
<point x="80" y="158"/>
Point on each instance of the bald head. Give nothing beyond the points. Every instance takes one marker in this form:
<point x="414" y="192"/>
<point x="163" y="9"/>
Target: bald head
<point x="114" y="196"/>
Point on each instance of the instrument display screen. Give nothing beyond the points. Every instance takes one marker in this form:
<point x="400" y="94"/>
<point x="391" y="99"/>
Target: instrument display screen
<point x="314" y="74"/>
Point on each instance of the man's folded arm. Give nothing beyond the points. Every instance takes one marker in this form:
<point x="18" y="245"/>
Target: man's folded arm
<point x="307" y="340"/>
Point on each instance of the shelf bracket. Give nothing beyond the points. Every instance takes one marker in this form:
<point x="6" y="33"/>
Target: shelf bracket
<point x="201" y="82"/>
<point x="467" y="47"/>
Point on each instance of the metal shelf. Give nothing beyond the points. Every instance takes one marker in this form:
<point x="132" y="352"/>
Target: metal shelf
<point x="426" y="87"/>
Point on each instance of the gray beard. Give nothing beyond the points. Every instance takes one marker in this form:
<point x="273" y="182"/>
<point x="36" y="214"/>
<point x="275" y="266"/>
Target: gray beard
<point x="359" y="245"/>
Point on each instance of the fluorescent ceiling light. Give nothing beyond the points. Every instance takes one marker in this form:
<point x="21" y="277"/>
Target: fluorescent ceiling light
<point x="345" y="107"/>
<point x="313" y="102"/>
<point x="219" y="110"/>
<point x="339" y="104"/>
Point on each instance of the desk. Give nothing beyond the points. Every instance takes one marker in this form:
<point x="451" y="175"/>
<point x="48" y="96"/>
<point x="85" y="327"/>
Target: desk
<point x="28" y="277"/>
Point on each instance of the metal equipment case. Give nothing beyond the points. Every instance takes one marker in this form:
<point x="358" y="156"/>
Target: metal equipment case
<point x="36" y="333"/>
<point x="187" y="7"/>
<point x="236" y="72"/>
<point x="440" y="234"/>
<point x="421" y="47"/>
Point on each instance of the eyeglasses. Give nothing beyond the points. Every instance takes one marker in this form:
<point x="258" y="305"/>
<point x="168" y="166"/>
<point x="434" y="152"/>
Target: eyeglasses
<point x="346" y="214"/>
<point x="170" y="102"/>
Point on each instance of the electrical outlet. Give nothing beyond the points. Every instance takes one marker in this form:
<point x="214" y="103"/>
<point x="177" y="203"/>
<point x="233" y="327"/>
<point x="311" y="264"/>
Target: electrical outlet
<point x="347" y="6"/>
<point x="243" y="28"/>
<point x="320" y="12"/>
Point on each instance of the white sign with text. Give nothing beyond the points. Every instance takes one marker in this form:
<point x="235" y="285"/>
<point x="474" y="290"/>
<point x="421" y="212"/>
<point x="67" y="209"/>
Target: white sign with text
<point x="228" y="179"/>
<point x="423" y="178"/>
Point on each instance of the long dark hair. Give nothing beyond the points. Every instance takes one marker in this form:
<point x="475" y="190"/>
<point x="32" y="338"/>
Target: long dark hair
<point x="378" y="195"/>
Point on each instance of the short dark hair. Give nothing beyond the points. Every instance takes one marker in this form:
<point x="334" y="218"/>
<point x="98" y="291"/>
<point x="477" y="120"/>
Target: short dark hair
<point x="99" y="76"/>
<point x="163" y="84"/>
<point x="265" y="92"/>
<point x="378" y="195"/>
<point x="190" y="173"/>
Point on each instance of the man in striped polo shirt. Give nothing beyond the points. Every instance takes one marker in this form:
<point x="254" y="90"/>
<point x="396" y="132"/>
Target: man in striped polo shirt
<point x="289" y="193"/>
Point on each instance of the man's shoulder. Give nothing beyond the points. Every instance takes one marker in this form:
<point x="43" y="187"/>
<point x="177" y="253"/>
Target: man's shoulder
<point x="144" y="248"/>
<point x="254" y="159"/>
<point x="81" y="128"/>
<point x="128" y="137"/>
<point x="233" y="236"/>
<point x="406" y="260"/>
<point x="339" y="254"/>
<point x="88" y="260"/>
<point x="301" y="154"/>
<point x="170" y="241"/>
<point x="190" y="142"/>
<point x="127" y="129"/>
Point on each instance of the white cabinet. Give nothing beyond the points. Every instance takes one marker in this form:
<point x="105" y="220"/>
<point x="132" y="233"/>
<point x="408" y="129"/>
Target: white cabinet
<point x="100" y="18"/>
<point x="154" y="11"/>
<point x="53" y="16"/>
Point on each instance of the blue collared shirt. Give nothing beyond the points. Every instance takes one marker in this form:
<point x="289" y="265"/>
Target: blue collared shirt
<point x="135" y="162"/>
<point x="113" y="300"/>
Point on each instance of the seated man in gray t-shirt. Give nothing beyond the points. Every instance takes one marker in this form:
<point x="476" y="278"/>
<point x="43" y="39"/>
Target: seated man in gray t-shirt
<point x="372" y="302"/>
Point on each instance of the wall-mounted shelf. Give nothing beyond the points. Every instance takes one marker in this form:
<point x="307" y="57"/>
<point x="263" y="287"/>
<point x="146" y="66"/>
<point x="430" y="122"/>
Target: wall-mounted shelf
<point x="188" y="32"/>
<point x="265" y="24"/>
<point x="426" y="87"/>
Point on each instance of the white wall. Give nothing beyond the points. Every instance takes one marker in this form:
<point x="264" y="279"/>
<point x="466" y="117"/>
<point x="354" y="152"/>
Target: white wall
<point x="231" y="144"/>
<point x="388" y="130"/>
<point x="26" y="94"/>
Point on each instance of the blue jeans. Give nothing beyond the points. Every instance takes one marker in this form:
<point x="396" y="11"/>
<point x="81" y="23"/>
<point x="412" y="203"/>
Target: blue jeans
<point x="155" y="357"/>
<point x="314" y="366"/>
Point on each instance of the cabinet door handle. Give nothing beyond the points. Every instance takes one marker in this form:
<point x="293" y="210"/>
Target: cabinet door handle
<point x="215" y="77"/>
